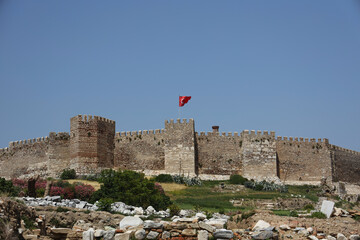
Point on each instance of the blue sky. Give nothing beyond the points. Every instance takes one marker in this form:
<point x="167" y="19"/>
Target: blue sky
<point x="288" y="66"/>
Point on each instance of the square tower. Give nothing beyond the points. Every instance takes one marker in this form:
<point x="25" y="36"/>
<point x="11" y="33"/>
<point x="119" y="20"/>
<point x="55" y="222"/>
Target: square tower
<point x="91" y="143"/>
<point x="180" y="147"/>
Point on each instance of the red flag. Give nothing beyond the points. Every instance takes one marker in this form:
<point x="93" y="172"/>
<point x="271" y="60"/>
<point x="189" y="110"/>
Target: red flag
<point x="183" y="100"/>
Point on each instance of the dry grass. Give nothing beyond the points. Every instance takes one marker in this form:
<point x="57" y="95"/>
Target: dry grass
<point x="95" y="184"/>
<point x="170" y="187"/>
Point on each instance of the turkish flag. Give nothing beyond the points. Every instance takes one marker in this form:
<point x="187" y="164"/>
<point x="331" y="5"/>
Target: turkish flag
<point x="183" y="100"/>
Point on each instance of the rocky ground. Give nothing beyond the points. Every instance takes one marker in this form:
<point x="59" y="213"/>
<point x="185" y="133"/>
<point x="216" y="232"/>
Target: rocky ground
<point x="18" y="221"/>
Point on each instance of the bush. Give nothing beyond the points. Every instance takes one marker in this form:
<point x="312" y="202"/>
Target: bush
<point x="174" y="209"/>
<point x="131" y="188"/>
<point x="237" y="179"/>
<point x="56" y="191"/>
<point x="246" y="215"/>
<point x="265" y="186"/>
<point x="318" y="215"/>
<point x="186" y="180"/>
<point x="293" y="214"/>
<point x="309" y="207"/>
<point x="61" y="209"/>
<point x="84" y="192"/>
<point x="6" y="186"/>
<point x="104" y="204"/>
<point x="164" y="178"/>
<point x="68" y="174"/>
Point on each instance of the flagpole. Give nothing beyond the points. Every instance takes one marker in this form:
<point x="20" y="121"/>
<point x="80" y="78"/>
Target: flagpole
<point x="179" y="106"/>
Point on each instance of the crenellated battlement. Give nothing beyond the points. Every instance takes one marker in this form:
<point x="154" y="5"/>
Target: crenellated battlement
<point x="302" y="140"/>
<point x="334" y="147"/>
<point x="220" y="134"/>
<point x="28" y="142"/>
<point x="90" y="118"/>
<point x="139" y="133"/>
<point x="258" y="133"/>
<point x="179" y="121"/>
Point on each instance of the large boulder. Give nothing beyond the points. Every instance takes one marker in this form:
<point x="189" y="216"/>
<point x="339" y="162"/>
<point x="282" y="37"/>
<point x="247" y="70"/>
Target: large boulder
<point x="130" y="221"/>
<point x="261" y="225"/>
<point x="223" y="234"/>
<point x="327" y="208"/>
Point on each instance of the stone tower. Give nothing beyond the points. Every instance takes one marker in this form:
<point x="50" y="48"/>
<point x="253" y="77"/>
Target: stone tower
<point x="91" y="143"/>
<point x="180" y="147"/>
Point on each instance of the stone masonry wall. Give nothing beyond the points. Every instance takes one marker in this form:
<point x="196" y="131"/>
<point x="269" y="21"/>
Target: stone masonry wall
<point x="301" y="160"/>
<point x="259" y="155"/>
<point x="58" y="153"/>
<point x="142" y="150"/>
<point x="346" y="165"/>
<point x="91" y="143"/>
<point x="180" y="147"/>
<point x="24" y="157"/>
<point x="219" y="154"/>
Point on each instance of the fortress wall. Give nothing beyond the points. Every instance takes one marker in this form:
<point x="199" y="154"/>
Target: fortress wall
<point x="58" y="153"/>
<point x="259" y="155"/>
<point x="25" y="157"/>
<point x="140" y="150"/>
<point x="303" y="159"/>
<point x="219" y="153"/>
<point x="346" y="165"/>
<point x="180" y="147"/>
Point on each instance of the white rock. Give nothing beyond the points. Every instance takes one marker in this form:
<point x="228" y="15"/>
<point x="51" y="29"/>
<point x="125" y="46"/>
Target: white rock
<point x="89" y="234"/>
<point x="218" y="224"/>
<point x="203" y="235"/>
<point x="313" y="237"/>
<point x="200" y="216"/>
<point x="109" y="234"/>
<point x="99" y="233"/>
<point x="310" y="230"/>
<point x="140" y="234"/>
<point x="130" y="221"/>
<point x="165" y="235"/>
<point x="122" y="236"/>
<point x="354" y="237"/>
<point x="183" y="213"/>
<point x="152" y="235"/>
<point x="261" y="225"/>
<point x="340" y="236"/>
<point x="327" y="207"/>
<point x="150" y="210"/>
<point x="284" y="227"/>
<point x="330" y="237"/>
<point x="223" y="234"/>
<point x="139" y="211"/>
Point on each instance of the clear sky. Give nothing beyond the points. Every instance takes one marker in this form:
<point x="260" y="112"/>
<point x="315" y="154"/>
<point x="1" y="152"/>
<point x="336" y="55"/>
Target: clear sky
<point x="288" y="66"/>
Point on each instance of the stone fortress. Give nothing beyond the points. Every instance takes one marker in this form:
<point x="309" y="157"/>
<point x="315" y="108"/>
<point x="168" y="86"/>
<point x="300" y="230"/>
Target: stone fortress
<point x="93" y="145"/>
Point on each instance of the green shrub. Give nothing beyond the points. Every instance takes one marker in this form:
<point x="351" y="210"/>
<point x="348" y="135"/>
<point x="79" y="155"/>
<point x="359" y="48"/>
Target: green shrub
<point x="237" y="179"/>
<point x="174" y="209"/>
<point x="246" y="215"/>
<point x="265" y="186"/>
<point x="131" y="188"/>
<point x="61" y="209"/>
<point x="68" y="174"/>
<point x="30" y="224"/>
<point x="164" y="178"/>
<point x="318" y="215"/>
<point x="104" y="204"/>
<point x="186" y="180"/>
<point x="309" y="207"/>
<point x="6" y="186"/>
<point x="293" y="214"/>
